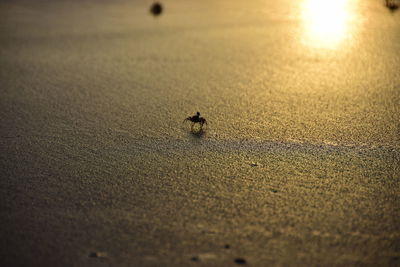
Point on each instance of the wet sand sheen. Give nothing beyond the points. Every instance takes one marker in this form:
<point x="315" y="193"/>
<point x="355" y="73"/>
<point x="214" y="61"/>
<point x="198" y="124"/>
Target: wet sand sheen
<point x="299" y="165"/>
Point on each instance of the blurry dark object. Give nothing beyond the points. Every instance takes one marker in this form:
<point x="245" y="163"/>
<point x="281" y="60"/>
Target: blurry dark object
<point x="240" y="261"/>
<point x="196" y="119"/>
<point x="156" y="9"/>
<point x="391" y="4"/>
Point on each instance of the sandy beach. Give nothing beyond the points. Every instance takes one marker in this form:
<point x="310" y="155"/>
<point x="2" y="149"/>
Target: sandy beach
<point x="299" y="164"/>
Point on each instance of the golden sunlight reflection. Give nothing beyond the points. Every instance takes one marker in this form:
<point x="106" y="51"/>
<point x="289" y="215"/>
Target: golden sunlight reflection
<point x="326" y="22"/>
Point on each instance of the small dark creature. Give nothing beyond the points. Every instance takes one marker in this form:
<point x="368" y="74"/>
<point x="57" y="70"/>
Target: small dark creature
<point x="196" y="119"/>
<point x="392" y="5"/>
<point x="156" y="9"/>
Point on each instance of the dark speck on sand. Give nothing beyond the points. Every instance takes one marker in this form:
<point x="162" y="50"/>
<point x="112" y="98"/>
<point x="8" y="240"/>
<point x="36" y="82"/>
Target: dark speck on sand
<point x="195" y="258"/>
<point x="240" y="261"/>
<point x="156" y="9"/>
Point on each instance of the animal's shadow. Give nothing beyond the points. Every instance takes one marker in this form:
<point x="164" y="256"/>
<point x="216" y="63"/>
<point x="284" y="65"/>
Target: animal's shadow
<point x="198" y="133"/>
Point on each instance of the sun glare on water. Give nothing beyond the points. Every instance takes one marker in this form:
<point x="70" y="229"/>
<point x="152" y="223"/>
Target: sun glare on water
<point x="326" y="22"/>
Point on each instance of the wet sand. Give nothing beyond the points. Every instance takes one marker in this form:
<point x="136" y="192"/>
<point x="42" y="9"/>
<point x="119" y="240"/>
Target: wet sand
<point x="299" y="165"/>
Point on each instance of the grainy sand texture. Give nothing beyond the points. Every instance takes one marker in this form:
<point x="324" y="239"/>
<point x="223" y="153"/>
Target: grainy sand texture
<point x="299" y="164"/>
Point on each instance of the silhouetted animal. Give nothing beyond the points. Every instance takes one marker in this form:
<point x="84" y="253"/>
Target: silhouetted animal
<point x="196" y="119"/>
